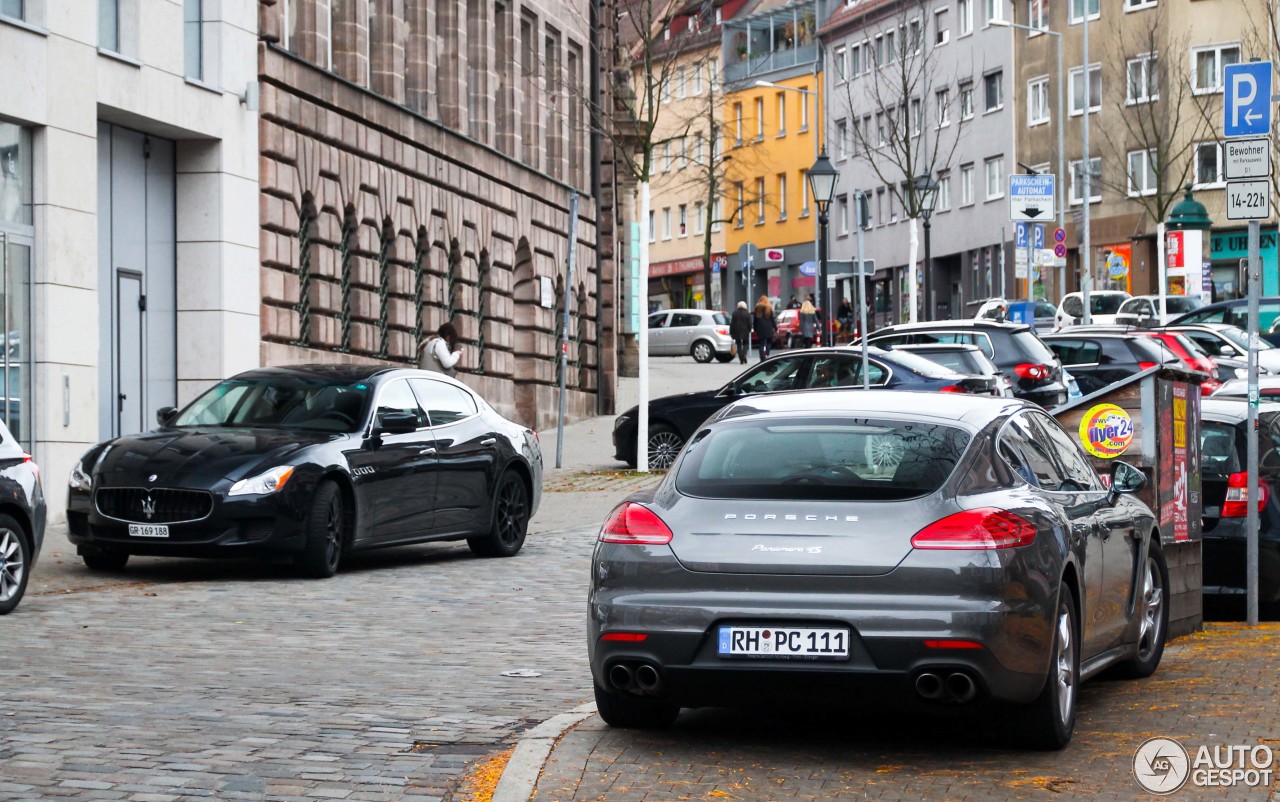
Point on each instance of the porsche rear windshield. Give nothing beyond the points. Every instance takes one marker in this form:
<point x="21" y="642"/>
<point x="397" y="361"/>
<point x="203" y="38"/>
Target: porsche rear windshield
<point x="829" y="459"/>
<point x="286" y="402"/>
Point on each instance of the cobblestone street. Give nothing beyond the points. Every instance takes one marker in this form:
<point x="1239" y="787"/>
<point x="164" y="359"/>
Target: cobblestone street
<point x="235" y="681"/>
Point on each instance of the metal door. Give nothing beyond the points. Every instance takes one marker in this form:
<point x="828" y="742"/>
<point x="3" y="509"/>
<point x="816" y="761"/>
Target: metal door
<point x="129" y="358"/>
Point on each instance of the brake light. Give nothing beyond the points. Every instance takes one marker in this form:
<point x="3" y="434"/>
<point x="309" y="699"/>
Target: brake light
<point x="625" y="637"/>
<point x="1030" y="370"/>
<point x="1236" y="504"/>
<point x="634" y="524"/>
<point x="723" y="331"/>
<point x="984" y="528"/>
<point x="1146" y="365"/>
<point x="953" y="388"/>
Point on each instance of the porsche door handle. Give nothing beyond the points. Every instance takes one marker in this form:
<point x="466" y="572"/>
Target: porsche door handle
<point x="429" y="450"/>
<point x="488" y="441"/>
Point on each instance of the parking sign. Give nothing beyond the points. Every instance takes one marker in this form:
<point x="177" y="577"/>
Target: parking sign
<point x="1246" y="106"/>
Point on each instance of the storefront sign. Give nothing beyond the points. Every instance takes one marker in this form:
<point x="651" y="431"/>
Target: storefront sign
<point x="1106" y="431"/>
<point x="675" y="267"/>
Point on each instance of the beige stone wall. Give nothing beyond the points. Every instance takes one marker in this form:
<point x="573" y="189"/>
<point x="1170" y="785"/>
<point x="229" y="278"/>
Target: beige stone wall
<point x="380" y="223"/>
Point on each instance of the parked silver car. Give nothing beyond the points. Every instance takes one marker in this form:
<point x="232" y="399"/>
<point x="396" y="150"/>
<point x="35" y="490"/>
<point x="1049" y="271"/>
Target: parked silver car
<point x="701" y="333"/>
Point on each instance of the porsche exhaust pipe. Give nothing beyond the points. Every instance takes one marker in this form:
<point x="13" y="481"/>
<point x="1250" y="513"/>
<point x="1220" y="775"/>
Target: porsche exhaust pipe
<point x="648" y="679"/>
<point x="620" y="677"/>
<point x="929" y="686"/>
<point x="961" y="687"/>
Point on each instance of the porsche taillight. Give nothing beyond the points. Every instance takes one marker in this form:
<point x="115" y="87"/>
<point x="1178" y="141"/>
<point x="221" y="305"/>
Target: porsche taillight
<point x="634" y="524"/>
<point x="984" y="528"/>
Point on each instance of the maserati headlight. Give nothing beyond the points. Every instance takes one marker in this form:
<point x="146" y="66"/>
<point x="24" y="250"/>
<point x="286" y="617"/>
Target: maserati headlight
<point x="80" y="479"/>
<point x="262" y="484"/>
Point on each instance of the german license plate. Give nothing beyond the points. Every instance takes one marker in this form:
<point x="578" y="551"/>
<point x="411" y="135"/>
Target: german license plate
<point x="784" y="642"/>
<point x="148" y="530"/>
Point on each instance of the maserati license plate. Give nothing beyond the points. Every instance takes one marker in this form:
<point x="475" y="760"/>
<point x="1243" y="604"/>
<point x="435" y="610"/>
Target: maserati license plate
<point x="784" y="642"/>
<point x="148" y="530"/>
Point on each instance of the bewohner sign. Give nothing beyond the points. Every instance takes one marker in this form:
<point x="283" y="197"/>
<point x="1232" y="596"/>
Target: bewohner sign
<point x="1246" y="158"/>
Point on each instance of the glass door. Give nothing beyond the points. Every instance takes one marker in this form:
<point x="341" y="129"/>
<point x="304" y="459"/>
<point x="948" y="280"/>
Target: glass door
<point x="16" y="364"/>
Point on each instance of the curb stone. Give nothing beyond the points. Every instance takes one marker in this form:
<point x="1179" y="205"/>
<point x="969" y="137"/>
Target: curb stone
<point x="525" y="766"/>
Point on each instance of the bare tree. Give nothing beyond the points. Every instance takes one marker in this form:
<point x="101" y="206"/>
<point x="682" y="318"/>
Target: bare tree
<point x="896" y="94"/>
<point x="1263" y="39"/>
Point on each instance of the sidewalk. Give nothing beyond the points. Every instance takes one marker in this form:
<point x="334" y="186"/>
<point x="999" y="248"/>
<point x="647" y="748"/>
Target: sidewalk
<point x="1216" y="687"/>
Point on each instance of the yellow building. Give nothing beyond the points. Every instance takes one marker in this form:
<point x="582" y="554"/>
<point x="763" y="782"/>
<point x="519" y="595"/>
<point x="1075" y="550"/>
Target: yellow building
<point x="773" y="118"/>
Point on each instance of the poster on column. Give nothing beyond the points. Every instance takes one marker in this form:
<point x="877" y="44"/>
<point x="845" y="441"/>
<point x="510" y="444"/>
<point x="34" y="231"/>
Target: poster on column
<point x="1183" y="255"/>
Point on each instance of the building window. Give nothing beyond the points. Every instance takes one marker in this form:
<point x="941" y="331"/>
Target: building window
<point x="1077" y="181"/>
<point x="995" y="178"/>
<point x="666" y="157"/>
<point x="993" y="90"/>
<point x="17" y="237"/>
<point x="964" y="10"/>
<point x="12" y="9"/>
<point x="740" y="211"/>
<point x="699" y="218"/>
<point x="697" y="82"/>
<point x="941" y="31"/>
<point x="1138" y="5"/>
<point x="804" y="109"/>
<point x="759" y="201"/>
<point x="893" y="207"/>
<point x="737" y="112"/>
<point x="109" y="25"/>
<point x="944" y="192"/>
<point x="855" y="60"/>
<point x="782" y="196"/>
<point x="942" y="107"/>
<point x="842" y="73"/>
<point x="684" y="152"/>
<point x="1037" y="15"/>
<point x="684" y="220"/>
<point x="890" y="47"/>
<point x="966" y="101"/>
<point x="666" y="223"/>
<point x="1078" y="10"/>
<point x="717" y="213"/>
<point x="713" y="70"/>
<point x="697" y="149"/>
<point x="653" y="226"/>
<point x="682" y="89"/>
<point x="1208" y="165"/>
<point x="759" y="119"/>
<point x="1142" y="172"/>
<point x="1075" y="81"/>
<point x="192" y="40"/>
<point x="782" y="113"/>
<point x="1038" y="101"/>
<point x="802" y="181"/>
<point x="842" y="139"/>
<point x="966" y="184"/>
<point x="916" y="113"/>
<point x="994" y="10"/>
<point x="1141" y="86"/>
<point x="1208" y="64"/>
<point x="842" y="214"/>
<point x="880" y="137"/>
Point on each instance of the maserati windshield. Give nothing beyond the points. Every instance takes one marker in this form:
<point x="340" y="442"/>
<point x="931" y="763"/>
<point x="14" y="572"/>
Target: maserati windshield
<point x="287" y="402"/>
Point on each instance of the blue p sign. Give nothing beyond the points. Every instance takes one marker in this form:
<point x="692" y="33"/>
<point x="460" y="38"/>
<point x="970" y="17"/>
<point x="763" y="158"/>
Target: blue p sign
<point x="1247" y="106"/>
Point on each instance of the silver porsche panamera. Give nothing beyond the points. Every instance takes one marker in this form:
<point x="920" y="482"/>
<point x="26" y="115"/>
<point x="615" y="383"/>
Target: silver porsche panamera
<point x="836" y="545"/>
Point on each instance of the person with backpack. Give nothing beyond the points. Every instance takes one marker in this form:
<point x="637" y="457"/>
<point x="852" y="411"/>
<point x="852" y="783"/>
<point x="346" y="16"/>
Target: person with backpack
<point x="440" y="353"/>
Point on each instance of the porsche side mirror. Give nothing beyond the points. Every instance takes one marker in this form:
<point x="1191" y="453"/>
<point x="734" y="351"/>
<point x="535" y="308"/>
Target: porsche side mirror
<point x="166" y="414"/>
<point x="396" y="423"/>
<point x="1126" y="479"/>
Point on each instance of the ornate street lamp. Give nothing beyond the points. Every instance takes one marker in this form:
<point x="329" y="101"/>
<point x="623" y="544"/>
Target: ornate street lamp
<point x="822" y="185"/>
<point x="926" y="192"/>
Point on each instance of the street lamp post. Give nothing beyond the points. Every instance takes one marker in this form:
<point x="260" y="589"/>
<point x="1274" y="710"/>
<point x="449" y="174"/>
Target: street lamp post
<point x="1061" y="181"/>
<point x="925" y="190"/>
<point x="822" y="184"/>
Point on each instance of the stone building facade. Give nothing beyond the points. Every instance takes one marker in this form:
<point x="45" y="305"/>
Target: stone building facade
<point x="418" y="159"/>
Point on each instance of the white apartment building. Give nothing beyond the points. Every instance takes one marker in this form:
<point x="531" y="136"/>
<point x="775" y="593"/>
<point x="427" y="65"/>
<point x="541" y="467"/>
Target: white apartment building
<point x="129" y="213"/>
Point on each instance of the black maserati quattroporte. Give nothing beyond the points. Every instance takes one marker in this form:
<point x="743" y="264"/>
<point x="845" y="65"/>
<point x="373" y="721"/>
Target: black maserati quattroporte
<point x="310" y="462"/>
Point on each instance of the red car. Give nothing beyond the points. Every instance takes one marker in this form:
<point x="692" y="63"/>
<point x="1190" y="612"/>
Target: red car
<point x="788" y="333"/>
<point x="1191" y="355"/>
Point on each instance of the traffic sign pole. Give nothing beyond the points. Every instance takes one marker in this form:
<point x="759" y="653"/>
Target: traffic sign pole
<point x="1251" y="430"/>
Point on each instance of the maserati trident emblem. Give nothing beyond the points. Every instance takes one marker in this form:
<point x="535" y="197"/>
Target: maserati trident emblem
<point x="148" y="507"/>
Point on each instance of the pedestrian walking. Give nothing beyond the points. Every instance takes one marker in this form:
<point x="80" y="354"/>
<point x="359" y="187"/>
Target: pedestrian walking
<point x="794" y="303"/>
<point x="440" y="352"/>
<point x="740" y="326"/>
<point x="808" y="323"/>
<point x="765" y="326"/>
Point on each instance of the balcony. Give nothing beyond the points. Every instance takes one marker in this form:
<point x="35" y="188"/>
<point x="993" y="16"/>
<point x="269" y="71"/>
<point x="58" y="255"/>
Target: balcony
<point x="751" y="65"/>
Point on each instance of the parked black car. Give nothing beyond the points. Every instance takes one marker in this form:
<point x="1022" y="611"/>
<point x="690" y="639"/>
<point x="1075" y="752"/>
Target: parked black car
<point x="22" y="519"/>
<point x="310" y="462"/>
<point x="966" y="359"/>
<point x="1096" y="359"/>
<point x="816" y="547"/>
<point x="674" y="418"/>
<point x="1035" y="372"/>
<point x="1224" y="483"/>
<point x="1236" y="313"/>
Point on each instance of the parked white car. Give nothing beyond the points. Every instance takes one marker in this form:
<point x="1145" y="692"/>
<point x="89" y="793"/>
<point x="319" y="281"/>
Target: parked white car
<point x="1144" y="310"/>
<point x="701" y="333"/>
<point x="1103" y="306"/>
